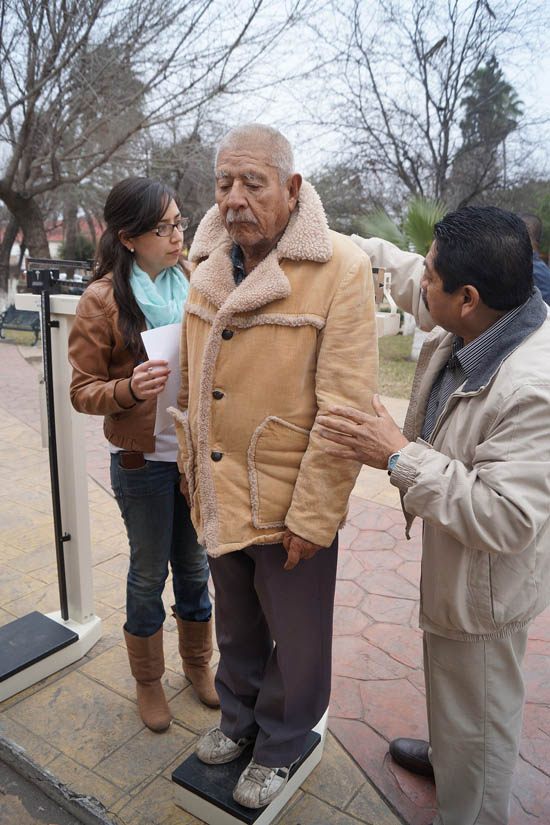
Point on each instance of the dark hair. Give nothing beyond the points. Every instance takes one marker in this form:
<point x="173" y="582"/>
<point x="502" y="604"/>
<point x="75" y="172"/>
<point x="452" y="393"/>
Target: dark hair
<point x="133" y="206"/>
<point x="488" y="248"/>
<point x="534" y="227"/>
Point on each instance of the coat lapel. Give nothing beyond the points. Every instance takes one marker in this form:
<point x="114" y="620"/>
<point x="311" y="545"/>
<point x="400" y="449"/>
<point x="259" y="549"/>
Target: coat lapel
<point x="433" y="356"/>
<point x="213" y="277"/>
<point x="438" y="354"/>
<point x="306" y="237"/>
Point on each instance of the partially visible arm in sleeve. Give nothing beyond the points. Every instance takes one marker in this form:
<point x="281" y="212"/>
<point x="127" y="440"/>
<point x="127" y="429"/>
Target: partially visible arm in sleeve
<point x="347" y="371"/>
<point x="406" y="271"/>
<point x="500" y="503"/>
<point x="92" y="389"/>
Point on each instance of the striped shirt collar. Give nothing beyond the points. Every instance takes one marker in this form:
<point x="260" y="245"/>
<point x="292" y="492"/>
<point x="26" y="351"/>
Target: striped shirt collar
<point x="463" y="365"/>
<point x="470" y="356"/>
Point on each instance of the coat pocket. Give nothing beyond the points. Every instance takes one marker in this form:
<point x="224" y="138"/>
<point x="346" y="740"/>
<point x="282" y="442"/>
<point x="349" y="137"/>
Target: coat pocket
<point x="274" y="457"/>
<point x="513" y="587"/>
<point x="186" y="455"/>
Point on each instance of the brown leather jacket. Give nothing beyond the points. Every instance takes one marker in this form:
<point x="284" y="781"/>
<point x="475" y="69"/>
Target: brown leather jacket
<point x="102" y="367"/>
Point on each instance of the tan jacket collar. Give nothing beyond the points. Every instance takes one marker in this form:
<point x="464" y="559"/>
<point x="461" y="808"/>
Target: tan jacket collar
<point x="306" y="238"/>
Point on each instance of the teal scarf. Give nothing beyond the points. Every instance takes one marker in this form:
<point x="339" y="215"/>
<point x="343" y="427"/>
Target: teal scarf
<point x="161" y="300"/>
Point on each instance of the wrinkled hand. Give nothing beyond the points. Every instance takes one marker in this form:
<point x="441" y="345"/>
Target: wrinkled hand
<point x="149" y="379"/>
<point x="370" y="439"/>
<point x="297" y="548"/>
<point x="184" y="489"/>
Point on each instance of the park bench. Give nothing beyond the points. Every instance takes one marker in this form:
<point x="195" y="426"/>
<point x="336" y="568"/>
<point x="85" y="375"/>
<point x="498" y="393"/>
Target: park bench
<point x="20" y="319"/>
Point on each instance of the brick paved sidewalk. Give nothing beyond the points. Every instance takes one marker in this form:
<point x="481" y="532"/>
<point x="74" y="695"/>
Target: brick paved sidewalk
<point x="81" y="724"/>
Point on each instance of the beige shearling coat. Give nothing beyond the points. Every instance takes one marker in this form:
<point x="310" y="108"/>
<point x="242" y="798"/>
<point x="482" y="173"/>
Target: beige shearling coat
<point x="482" y="482"/>
<point x="258" y="363"/>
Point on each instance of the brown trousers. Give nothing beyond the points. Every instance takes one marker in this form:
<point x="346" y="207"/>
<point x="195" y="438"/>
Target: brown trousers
<point x="274" y="631"/>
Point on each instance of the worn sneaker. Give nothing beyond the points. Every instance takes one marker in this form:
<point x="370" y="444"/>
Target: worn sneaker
<point x="215" y="748"/>
<point x="259" y="785"/>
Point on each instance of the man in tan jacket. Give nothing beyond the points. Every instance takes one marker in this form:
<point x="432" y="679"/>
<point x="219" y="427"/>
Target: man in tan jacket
<point x="279" y="324"/>
<point x="474" y="462"/>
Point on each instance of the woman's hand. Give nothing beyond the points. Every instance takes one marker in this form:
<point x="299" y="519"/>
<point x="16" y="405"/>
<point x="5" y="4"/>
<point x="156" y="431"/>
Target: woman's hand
<point x="149" y="379"/>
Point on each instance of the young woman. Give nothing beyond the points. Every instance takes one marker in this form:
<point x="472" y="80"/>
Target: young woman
<point x="138" y="285"/>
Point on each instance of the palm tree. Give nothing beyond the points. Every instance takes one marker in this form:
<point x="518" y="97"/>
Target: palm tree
<point x="416" y="230"/>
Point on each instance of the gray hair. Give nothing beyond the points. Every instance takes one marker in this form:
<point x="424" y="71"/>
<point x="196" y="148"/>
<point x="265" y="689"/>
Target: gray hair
<point x="279" y="148"/>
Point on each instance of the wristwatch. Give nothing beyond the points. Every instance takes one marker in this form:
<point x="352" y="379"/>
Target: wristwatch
<point x="392" y="461"/>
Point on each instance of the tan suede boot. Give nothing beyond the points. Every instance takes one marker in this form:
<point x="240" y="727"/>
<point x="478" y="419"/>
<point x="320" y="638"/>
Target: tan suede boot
<point x="146" y="658"/>
<point x="195" y="647"/>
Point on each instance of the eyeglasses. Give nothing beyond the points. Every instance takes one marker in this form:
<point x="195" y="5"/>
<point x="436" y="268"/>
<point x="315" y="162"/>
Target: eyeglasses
<point x="164" y="230"/>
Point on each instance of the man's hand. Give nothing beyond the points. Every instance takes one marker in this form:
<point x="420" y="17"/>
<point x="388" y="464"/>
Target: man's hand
<point x="297" y="548"/>
<point x="184" y="489"/>
<point x="370" y="439"/>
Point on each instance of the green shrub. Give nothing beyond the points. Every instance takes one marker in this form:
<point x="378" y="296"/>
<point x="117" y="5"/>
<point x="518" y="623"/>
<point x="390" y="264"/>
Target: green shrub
<point x="82" y="249"/>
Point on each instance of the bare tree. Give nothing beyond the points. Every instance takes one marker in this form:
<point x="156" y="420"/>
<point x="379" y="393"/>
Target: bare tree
<point x="187" y="163"/>
<point x="9" y="234"/>
<point x="405" y="71"/>
<point x="345" y="198"/>
<point x="79" y="79"/>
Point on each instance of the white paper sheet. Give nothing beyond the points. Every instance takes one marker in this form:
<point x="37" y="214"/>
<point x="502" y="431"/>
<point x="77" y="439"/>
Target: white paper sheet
<point x="164" y="343"/>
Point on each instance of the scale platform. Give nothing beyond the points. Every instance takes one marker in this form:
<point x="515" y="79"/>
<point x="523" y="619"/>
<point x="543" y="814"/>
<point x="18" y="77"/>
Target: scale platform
<point x="36" y="646"/>
<point x="206" y="790"/>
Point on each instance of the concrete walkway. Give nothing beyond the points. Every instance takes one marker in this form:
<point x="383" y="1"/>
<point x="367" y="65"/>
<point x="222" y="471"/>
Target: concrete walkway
<point x="81" y="724"/>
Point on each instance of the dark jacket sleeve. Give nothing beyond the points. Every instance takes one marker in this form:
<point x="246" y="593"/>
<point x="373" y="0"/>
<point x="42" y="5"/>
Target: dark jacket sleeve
<point x="541" y="276"/>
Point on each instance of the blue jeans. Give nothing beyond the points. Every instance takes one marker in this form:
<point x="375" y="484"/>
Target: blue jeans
<point x="159" y="530"/>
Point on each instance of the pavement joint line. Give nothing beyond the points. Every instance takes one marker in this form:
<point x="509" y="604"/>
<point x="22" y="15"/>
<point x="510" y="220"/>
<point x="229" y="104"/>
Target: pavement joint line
<point x="367" y="781"/>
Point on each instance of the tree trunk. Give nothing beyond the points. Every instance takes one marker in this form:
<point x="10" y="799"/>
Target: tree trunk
<point x="22" y="251"/>
<point x="10" y="234"/>
<point x="91" y="226"/>
<point x="34" y="232"/>
<point x="70" y="225"/>
<point x="28" y="215"/>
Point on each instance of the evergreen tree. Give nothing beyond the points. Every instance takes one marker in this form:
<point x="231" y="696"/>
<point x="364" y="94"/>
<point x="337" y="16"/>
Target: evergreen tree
<point x="492" y="111"/>
<point x="491" y="108"/>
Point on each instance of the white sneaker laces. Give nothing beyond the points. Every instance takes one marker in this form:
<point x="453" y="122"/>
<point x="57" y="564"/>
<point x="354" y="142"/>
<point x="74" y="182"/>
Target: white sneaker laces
<point x="218" y="736"/>
<point x="260" y="774"/>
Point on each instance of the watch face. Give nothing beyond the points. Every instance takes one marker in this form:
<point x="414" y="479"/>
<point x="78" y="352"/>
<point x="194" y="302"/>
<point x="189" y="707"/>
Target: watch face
<point x="393" y="460"/>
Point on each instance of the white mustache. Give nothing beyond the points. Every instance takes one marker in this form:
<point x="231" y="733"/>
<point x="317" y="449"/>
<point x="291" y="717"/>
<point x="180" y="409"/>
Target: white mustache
<point x="240" y="216"/>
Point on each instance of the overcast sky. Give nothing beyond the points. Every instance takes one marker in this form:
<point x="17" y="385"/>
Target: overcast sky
<point x="528" y="71"/>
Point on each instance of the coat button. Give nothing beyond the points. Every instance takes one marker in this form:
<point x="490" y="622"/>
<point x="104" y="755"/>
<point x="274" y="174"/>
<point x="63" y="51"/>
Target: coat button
<point x="227" y="334"/>
<point x="218" y="394"/>
<point x="216" y="456"/>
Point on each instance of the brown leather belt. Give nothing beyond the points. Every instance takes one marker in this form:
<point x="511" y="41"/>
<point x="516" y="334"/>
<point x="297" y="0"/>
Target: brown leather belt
<point x="132" y="460"/>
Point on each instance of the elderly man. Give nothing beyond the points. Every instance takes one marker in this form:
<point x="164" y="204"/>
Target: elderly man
<point x="279" y="325"/>
<point x="474" y="462"/>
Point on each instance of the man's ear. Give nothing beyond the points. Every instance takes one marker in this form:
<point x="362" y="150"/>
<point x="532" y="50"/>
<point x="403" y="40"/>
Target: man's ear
<point x="293" y="185"/>
<point x="470" y="300"/>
